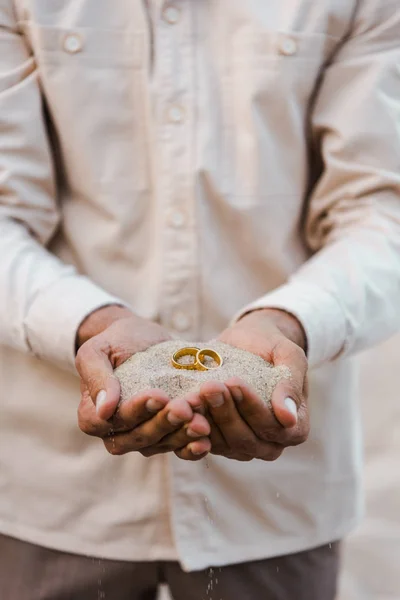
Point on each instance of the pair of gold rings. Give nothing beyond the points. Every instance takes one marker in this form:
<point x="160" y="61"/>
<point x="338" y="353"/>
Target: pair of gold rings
<point x="198" y="362"/>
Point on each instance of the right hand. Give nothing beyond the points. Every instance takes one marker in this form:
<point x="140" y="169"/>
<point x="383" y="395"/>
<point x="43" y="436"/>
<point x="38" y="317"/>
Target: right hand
<point x="144" y="423"/>
<point x="106" y="339"/>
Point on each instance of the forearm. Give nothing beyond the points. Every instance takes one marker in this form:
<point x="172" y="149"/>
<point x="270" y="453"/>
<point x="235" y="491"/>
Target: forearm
<point x="42" y="300"/>
<point x="346" y="296"/>
<point x="360" y="272"/>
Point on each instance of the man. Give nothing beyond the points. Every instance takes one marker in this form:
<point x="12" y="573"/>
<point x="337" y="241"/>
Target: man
<point x="194" y="169"/>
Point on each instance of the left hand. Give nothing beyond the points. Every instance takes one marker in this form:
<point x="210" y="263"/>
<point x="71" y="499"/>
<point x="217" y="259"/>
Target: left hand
<point x="243" y="426"/>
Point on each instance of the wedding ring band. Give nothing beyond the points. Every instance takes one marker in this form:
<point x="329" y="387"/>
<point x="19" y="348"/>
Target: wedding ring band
<point x="201" y="354"/>
<point x="188" y="351"/>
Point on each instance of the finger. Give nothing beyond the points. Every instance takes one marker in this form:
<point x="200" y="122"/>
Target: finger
<point x="195" y="401"/>
<point x="88" y="420"/>
<point x="262" y="421"/>
<point x="96" y="371"/>
<point x="197" y="428"/>
<point x="128" y="415"/>
<point x="195" y="450"/>
<point x="253" y="410"/>
<point x="235" y="431"/>
<point x="149" y="433"/>
<point x="288" y="397"/>
<point x="218" y="443"/>
<point x="201" y="448"/>
<point x="141" y="407"/>
<point x="271" y="452"/>
<point x="298" y="432"/>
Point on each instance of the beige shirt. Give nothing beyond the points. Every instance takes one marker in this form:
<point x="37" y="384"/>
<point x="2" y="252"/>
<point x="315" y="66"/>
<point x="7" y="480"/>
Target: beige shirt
<point x="192" y="162"/>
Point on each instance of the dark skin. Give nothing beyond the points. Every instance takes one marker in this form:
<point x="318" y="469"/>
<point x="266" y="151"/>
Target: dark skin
<point x="227" y="419"/>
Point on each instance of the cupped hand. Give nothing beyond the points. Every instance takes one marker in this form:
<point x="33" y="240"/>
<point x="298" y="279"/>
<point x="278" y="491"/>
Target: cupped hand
<point x="106" y="339"/>
<point x="243" y="425"/>
<point x="149" y="422"/>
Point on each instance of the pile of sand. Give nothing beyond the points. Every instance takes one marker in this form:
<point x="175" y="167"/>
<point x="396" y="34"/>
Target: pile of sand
<point x="153" y="369"/>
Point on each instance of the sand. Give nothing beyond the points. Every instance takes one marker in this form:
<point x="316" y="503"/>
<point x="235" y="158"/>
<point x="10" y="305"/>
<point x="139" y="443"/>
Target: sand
<point x="153" y="369"/>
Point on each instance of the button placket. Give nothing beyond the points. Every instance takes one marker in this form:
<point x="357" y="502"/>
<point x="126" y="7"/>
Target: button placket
<point x="175" y="66"/>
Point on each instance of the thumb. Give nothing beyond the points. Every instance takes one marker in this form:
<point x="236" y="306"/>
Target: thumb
<point x="288" y="395"/>
<point x="96" y="372"/>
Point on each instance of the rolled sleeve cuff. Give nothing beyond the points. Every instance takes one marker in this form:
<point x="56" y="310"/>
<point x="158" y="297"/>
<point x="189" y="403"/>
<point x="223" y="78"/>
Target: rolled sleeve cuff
<point x="319" y="313"/>
<point x="57" y="312"/>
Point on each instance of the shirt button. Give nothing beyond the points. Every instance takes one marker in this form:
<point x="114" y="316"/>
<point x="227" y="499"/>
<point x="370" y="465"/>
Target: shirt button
<point x="176" y="114"/>
<point x="180" y="321"/>
<point x="288" y="47"/>
<point x="177" y="219"/>
<point x="73" y="43"/>
<point x="171" y="14"/>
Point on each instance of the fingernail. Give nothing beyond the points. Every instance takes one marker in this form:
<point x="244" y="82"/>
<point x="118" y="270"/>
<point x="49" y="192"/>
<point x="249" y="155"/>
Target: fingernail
<point x="101" y="399"/>
<point x="237" y="394"/>
<point x="291" y="406"/>
<point x="153" y="405"/>
<point x="191" y="433"/>
<point x="195" y="450"/>
<point x="173" y="419"/>
<point x="216" y="400"/>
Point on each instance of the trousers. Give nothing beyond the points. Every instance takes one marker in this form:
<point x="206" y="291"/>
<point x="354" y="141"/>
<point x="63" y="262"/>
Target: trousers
<point x="30" y="572"/>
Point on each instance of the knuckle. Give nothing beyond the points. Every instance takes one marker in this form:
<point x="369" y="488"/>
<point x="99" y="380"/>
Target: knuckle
<point x="246" y="446"/>
<point x="182" y="453"/>
<point x="84" y="425"/>
<point x="92" y="385"/>
<point x="301" y="356"/>
<point x="242" y="457"/>
<point x="83" y="354"/>
<point x="147" y="452"/>
<point x="188" y="455"/>
<point x="296" y="437"/>
<point x="300" y="438"/>
<point x="291" y="352"/>
<point x="272" y="453"/>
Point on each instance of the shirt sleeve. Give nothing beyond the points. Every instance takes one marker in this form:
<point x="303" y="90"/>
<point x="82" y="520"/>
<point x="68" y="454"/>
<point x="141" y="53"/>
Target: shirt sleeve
<point x="42" y="300"/>
<point x="347" y="296"/>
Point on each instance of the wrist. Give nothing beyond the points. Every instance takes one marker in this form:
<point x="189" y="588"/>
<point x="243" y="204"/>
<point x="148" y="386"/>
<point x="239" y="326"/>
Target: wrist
<point x="287" y="324"/>
<point x="97" y="321"/>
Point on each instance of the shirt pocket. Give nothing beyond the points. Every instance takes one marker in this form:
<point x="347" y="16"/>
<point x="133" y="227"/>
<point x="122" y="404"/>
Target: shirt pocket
<point x="273" y="78"/>
<point x="94" y="82"/>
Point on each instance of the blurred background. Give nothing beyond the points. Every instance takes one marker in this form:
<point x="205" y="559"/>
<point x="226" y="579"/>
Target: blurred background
<point x="371" y="567"/>
<point x="371" y="560"/>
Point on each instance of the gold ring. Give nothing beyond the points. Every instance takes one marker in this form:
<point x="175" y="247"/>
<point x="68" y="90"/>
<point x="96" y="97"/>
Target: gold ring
<point x="185" y="352"/>
<point x="211" y="354"/>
